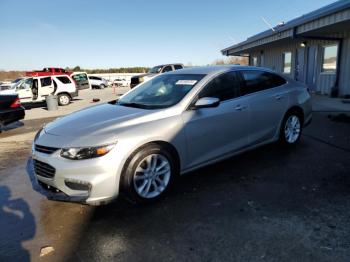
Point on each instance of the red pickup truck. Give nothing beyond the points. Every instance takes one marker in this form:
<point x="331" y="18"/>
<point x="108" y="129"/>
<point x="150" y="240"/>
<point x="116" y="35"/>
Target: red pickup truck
<point x="48" y="71"/>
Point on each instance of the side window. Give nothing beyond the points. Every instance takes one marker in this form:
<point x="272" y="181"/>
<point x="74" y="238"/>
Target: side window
<point x="167" y="69"/>
<point x="178" y="67"/>
<point x="57" y="70"/>
<point x="46" y="81"/>
<point x="224" y="87"/>
<point x="64" y="79"/>
<point x="255" y="81"/>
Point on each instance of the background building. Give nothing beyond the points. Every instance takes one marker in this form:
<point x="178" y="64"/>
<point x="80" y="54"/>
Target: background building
<point x="313" y="48"/>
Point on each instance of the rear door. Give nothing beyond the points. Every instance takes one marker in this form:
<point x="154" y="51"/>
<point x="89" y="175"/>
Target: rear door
<point x="268" y="101"/>
<point x="214" y="132"/>
<point x="65" y="84"/>
<point x="46" y="86"/>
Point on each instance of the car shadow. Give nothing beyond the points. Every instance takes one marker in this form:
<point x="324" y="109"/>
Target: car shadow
<point x="14" y="214"/>
<point x="12" y="126"/>
<point x="29" y="106"/>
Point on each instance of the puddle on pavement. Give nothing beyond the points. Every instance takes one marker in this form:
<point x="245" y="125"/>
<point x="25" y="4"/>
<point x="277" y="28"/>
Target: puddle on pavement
<point x="29" y="221"/>
<point x="340" y="118"/>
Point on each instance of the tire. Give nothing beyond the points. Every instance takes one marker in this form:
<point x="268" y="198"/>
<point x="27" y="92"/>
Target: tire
<point x="63" y="99"/>
<point x="102" y="87"/>
<point x="291" y="128"/>
<point x="2" y="125"/>
<point x="140" y="182"/>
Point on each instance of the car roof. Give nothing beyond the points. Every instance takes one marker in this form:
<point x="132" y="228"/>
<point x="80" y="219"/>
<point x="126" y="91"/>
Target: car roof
<point x="169" y="64"/>
<point x="210" y="70"/>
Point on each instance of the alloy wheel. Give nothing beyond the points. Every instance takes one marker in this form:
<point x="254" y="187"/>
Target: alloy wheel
<point x="292" y="129"/>
<point x="64" y="100"/>
<point x="152" y="176"/>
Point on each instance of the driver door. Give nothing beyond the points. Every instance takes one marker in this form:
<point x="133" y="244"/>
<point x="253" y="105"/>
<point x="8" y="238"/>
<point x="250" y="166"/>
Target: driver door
<point x="215" y="132"/>
<point x="24" y="90"/>
<point x="45" y="87"/>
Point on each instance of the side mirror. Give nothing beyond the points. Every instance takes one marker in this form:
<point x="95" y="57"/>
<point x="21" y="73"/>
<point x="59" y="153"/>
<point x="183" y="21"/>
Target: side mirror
<point x="206" y="102"/>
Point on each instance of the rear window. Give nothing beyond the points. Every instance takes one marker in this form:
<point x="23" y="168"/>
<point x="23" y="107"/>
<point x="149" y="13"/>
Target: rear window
<point x="80" y="77"/>
<point x="178" y="67"/>
<point x="45" y="81"/>
<point x="255" y="81"/>
<point x="64" y="79"/>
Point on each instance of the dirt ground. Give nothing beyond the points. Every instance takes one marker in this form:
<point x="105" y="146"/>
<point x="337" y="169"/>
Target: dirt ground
<point x="270" y="204"/>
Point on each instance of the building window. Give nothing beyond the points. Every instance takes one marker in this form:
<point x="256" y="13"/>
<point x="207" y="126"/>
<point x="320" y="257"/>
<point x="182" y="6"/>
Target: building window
<point x="329" y="64"/>
<point x="254" y="61"/>
<point x="287" y="62"/>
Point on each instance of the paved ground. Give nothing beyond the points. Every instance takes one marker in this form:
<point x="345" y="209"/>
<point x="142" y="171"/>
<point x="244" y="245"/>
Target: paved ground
<point x="270" y="204"/>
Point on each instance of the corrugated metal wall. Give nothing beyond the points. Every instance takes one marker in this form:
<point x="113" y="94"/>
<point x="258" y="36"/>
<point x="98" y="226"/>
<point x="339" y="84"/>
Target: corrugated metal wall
<point x="273" y="59"/>
<point x="344" y="82"/>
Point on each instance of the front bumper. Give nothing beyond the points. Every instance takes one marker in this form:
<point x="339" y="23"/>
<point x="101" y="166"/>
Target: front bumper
<point x="92" y="181"/>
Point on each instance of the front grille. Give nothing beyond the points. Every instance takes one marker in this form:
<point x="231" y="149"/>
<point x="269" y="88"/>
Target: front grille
<point x="43" y="169"/>
<point x="45" y="149"/>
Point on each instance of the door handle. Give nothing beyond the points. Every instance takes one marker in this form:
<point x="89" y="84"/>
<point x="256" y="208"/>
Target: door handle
<point x="240" y="108"/>
<point x="278" y="97"/>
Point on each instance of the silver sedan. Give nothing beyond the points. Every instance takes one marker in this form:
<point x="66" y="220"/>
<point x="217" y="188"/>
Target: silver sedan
<point x="167" y="126"/>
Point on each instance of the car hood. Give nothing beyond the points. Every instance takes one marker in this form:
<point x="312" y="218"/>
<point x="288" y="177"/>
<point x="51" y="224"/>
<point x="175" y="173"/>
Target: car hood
<point x="96" y="125"/>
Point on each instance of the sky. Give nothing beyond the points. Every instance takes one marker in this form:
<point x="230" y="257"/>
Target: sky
<point x="110" y="34"/>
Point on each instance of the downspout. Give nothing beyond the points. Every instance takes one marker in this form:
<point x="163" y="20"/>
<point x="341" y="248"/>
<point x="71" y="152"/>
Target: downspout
<point x="335" y="88"/>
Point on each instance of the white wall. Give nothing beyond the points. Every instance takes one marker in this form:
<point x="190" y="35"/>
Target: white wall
<point x="112" y="76"/>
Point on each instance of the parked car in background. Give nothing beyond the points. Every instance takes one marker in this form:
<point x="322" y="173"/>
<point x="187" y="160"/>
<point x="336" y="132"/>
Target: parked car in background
<point x="121" y="82"/>
<point x="11" y="110"/>
<point x="172" y="124"/>
<point x="9" y="85"/>
<point x="135" y="80"/>
<point x="36" y="89"/>
<point x="98" y="82"/>
<point x="81" y="80"/>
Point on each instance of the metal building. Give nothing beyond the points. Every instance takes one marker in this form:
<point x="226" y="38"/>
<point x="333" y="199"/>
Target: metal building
<point x="313" y="48"/>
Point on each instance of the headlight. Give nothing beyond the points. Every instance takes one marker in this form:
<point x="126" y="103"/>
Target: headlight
<point x="38" y="134"/>
<point x="85" y="153"/>
<point x="141" y="79"/>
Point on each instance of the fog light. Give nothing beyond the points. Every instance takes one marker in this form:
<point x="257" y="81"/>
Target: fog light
<point x="78" y="185"/>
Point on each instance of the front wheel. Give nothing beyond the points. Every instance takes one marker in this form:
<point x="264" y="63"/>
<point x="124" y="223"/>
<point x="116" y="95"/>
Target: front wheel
<point x="63" y="99"/>
<point x="291" y="129"/>
<point x="149" y="174"/>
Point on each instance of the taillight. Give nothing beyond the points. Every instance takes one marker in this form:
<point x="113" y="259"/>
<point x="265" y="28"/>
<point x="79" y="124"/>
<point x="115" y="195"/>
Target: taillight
<point x="16" y="103"/>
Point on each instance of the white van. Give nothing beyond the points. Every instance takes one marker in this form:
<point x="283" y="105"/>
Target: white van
<point x="36" y="89"/>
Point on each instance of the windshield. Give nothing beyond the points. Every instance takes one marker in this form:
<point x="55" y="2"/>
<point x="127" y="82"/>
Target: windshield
<point x="161" y="92"/>
<point x="17" y="80"/>
<point x="155" y="70"/>
<point x="18" y="83"/>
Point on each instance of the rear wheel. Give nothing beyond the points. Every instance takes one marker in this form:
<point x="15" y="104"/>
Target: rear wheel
<point x="291" y="129"/>
<point x="148" y="174"/>
<point x="2" y="125"/>
<point x="63" y="99"/>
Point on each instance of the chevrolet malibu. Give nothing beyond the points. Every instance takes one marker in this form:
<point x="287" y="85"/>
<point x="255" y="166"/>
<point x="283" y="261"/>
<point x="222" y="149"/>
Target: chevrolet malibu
<point x="177" y="122"/>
